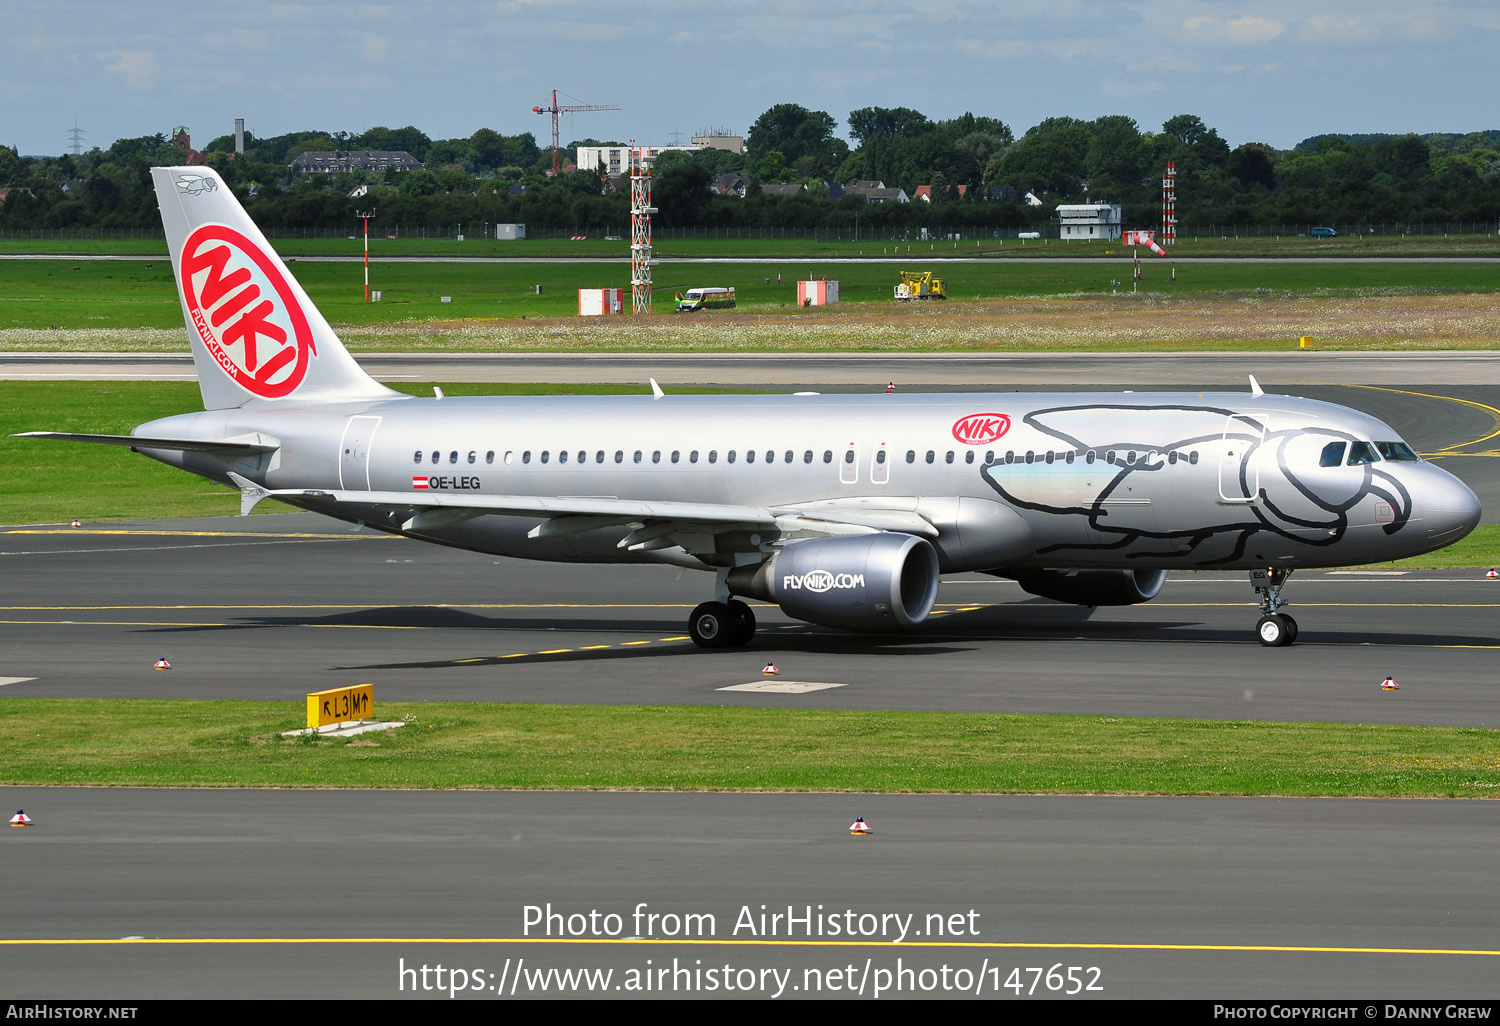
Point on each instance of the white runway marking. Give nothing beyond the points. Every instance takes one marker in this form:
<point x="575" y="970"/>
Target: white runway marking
<point x="784" y="687"/>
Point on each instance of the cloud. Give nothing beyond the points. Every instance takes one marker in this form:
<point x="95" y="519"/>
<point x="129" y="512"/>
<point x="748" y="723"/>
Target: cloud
<point x="1245" y="30"/>
<point x="137" y="66"/>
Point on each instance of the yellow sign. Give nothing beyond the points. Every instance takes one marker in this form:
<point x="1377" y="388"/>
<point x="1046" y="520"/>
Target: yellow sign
<point x="340" y="705"/>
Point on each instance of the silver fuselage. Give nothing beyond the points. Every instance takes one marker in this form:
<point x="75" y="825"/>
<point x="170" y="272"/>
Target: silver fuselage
<point x="1086" y="480"/>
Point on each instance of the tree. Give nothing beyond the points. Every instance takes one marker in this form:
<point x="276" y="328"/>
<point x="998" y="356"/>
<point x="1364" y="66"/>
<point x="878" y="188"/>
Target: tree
<point x="794" y="131"/>
<point x="1252" y="164"/>
<point x="869" y="123"/>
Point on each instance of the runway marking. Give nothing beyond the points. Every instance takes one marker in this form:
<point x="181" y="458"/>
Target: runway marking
<point x="14" y="680"/>
<point x="1447" y="450"/>
<point x="1313" y="949"/>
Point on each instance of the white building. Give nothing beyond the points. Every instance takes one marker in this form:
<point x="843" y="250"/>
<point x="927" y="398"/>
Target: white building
<point x="613" y="161"/>
<point x="1094" y="221"/>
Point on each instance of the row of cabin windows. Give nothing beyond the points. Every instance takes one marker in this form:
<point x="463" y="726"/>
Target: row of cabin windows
<point x="1122" y="457"/>
<point x="1125" y="457"/>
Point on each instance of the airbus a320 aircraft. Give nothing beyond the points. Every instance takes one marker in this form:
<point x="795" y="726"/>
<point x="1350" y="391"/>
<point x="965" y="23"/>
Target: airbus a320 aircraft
<point x="842" y="509"/>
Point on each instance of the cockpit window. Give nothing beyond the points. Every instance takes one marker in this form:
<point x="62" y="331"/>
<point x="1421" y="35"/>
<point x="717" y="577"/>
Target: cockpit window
<point x="1361" y="453"/>
<point x="1400" y="452"/>
<point x="1333" y="454"/>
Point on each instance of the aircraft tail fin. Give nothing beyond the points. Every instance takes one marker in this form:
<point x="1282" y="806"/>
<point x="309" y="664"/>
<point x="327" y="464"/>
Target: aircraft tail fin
<point x="255" y="334"/>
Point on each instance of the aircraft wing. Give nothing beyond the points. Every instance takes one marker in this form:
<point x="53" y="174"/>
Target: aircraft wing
<point x="655" y="524"/>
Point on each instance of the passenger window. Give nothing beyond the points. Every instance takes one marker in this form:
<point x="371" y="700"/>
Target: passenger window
<point x="418" y="457"/>
<point x="676" y="455"/>
<point x="848" y="455"/>
<point x="989" y="457"/>
<point x="1010" y="456"/>
<point x="1089" y="457"/>
<point x="453" y="456"/>
<point x="545" y="454"/>
<point x="526" y="456"/>
<point x="489" y="457"/>
<point x="771" y="457"/>
<point x="1030" y="456"/>
<point x="911" y="455"/>
<point x="436" y="456"/>
<point x="1109" y="457"/>
<point x="1361" y="453"/>
<point x="731" y="456"/>
<point x="1130" y="457"/>
<point x="510" y="457"/>
<point x="638" y="456"/>
<point x="807" y="456"/>
<point x="789" y="455"/>
<point x="969" y="456"/>
<point x="693" y="456"/>
<point x="473" y="456"/>
<point x="1398" y="452"/>
<point x="599" y="456"/>
<point x="1048" y="457"/>
<point x="562" y="456"/>
<point x="880" y="458"/>
<point x="713" y="455"/>
<point x="619" y="455"/>
<point x="949" y="457"/>
<point x="656" y="456"/>
<point x="1193" y="456"/>
<point x="1070" y="457"/>
<point x="931" y="456"/>
<point x="1333" y="454"/>
<point x="827" y="455"/>
<point x="1172" y="456"/>
<point x="749" y="455"/>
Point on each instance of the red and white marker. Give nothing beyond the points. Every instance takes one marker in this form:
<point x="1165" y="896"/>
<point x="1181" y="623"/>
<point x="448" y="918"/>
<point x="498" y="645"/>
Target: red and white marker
<point x="859" y="827"/>
<point x="1493" y="573"/>
<point x="770" y="670"/>
<point x="77" y="524"/>
<point x="20" y="819"/>
<point x="162" y="664"/>
<point x="890" y="388"/>
<point x="1389" y="684"/>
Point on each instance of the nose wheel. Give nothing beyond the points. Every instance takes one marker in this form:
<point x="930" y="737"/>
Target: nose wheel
<point x="1274" y="628"/>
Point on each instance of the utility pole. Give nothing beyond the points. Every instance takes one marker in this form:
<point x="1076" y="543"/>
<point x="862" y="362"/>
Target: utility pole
<point x="366" y="215"/>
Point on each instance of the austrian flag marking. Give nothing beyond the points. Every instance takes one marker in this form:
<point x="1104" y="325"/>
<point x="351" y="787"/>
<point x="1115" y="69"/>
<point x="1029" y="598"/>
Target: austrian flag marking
<point x="419" y="483"/>
<point x="980" y="428"/>
<point x="245" y="312"/>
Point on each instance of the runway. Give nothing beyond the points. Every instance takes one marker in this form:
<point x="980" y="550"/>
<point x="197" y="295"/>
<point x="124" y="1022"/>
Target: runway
<point x="332" y="894"/>
<point x="319" y="894"/>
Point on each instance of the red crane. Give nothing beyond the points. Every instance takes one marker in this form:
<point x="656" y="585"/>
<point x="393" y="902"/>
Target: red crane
<point x="555" y="110"/>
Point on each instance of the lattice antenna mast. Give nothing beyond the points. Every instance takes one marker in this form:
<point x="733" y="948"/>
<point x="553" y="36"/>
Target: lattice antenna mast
<point x="640" y="229"/>
<point x="76" y="134"/>
<point x="555" y="111"/>
<point x="1169" y="204"/>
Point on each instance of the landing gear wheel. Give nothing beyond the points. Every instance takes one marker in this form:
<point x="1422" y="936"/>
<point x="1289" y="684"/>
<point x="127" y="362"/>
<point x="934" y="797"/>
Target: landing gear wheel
<point x="712" y="625"/>
<point x="1291" y="629"/>
<point x="743" y="621"/>
<point x="1274" y="630"/>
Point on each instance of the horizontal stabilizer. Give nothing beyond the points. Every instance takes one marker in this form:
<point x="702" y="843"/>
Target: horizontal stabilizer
<point x="247" y="445"/>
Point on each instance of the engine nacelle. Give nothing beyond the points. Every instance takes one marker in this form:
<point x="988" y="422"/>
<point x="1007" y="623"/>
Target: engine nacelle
<point x="1093" y="587"/>
<point x="865" y="582"/>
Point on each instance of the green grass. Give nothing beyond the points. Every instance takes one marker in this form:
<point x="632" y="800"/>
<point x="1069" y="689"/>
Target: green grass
<point x="41" y="294"/>
<point x="501" y="745"/>
<point x="791" y="249"/>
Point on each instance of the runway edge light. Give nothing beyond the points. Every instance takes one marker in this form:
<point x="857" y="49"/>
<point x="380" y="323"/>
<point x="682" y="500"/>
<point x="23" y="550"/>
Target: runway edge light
<point x="20" y="819"/>
<point x="1389" y="684"/>
<point x="162" y="664"/>
<point x="859" y="827"/>
<point x="769" y="670"/>
<point x="1493" y="573"/>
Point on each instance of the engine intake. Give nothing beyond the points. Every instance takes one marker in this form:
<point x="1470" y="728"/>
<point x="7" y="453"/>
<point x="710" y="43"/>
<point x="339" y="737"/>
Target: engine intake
<point x="865" y="582"/>
<point x="1093" y="587"/>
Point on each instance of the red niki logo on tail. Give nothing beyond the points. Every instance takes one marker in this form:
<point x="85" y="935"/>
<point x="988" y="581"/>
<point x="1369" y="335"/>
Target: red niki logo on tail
<point x="245" y="311"/>
<point x="979" y="428"/>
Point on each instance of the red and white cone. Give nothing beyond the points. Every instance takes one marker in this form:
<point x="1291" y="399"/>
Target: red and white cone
<point x="1389" y="684"/>
<point x="769" y="670"/>
<point x="890" y="388"/>
<point x="20" y="819"/>
<point x="76" y="523"/>
<point x="1493" y="573"/>
<point x="162" y="664"/>
<point x="859" y="827"/>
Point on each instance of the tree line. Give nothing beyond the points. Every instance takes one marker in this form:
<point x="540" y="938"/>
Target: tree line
<point x="976" y="170"/>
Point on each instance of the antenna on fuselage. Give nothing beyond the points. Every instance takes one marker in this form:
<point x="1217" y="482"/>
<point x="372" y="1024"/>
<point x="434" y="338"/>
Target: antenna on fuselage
<point x="1255" y="389"/>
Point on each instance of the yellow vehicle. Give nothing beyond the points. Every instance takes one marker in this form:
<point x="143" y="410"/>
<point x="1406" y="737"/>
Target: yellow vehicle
<point x="920" y="285"/>
<point x="705" y="299"/>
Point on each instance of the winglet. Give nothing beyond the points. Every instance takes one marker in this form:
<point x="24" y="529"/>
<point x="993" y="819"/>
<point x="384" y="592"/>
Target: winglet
<point x="250" y="493"/>
<point x="656" y="392"/>
<point x="1255" y="389"/>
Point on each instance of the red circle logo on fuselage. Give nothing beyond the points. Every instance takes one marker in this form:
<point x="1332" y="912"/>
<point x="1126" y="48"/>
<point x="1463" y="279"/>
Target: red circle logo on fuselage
<point x="980" y="428"/>
<point x="245" y="311"/>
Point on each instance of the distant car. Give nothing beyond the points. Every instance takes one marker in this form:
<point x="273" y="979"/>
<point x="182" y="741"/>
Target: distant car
<point x="1323" y="233"/>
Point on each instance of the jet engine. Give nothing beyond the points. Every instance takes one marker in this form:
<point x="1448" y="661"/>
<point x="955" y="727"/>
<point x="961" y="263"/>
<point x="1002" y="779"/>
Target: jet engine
<point x="1093" y="587"/>
<point x="863" y="582"/>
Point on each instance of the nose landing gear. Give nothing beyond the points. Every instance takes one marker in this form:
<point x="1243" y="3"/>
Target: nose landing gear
<point x="1274" y="628"/>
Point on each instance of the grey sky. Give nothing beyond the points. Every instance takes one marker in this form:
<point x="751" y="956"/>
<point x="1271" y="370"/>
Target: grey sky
<point x="1275" y="71"/>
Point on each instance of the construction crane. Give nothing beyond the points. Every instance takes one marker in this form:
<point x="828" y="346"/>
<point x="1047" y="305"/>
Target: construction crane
<point x="555" y="110"/>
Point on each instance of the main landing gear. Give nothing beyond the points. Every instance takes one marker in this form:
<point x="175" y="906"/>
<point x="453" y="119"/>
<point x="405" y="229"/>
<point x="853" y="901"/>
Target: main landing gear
<point x="721" y="624"/>
<point x="1274" y="628"/>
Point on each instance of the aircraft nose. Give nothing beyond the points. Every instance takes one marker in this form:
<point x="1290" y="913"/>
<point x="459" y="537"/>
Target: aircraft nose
<point x="1450" y="509"/>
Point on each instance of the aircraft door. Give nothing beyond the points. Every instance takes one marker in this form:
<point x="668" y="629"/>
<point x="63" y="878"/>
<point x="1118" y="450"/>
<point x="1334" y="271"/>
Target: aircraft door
<point x="1239" y="473"/>
<point x="880" y="464"/>
<point x="849" y="464"/>
<point x="354" y="457"/>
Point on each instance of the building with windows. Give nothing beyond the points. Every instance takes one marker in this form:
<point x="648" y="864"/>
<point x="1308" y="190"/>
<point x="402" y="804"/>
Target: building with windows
<point x="1094" y="221"/>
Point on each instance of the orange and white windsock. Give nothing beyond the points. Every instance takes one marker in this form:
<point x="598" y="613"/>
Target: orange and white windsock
<point x="1147" y="239"/>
